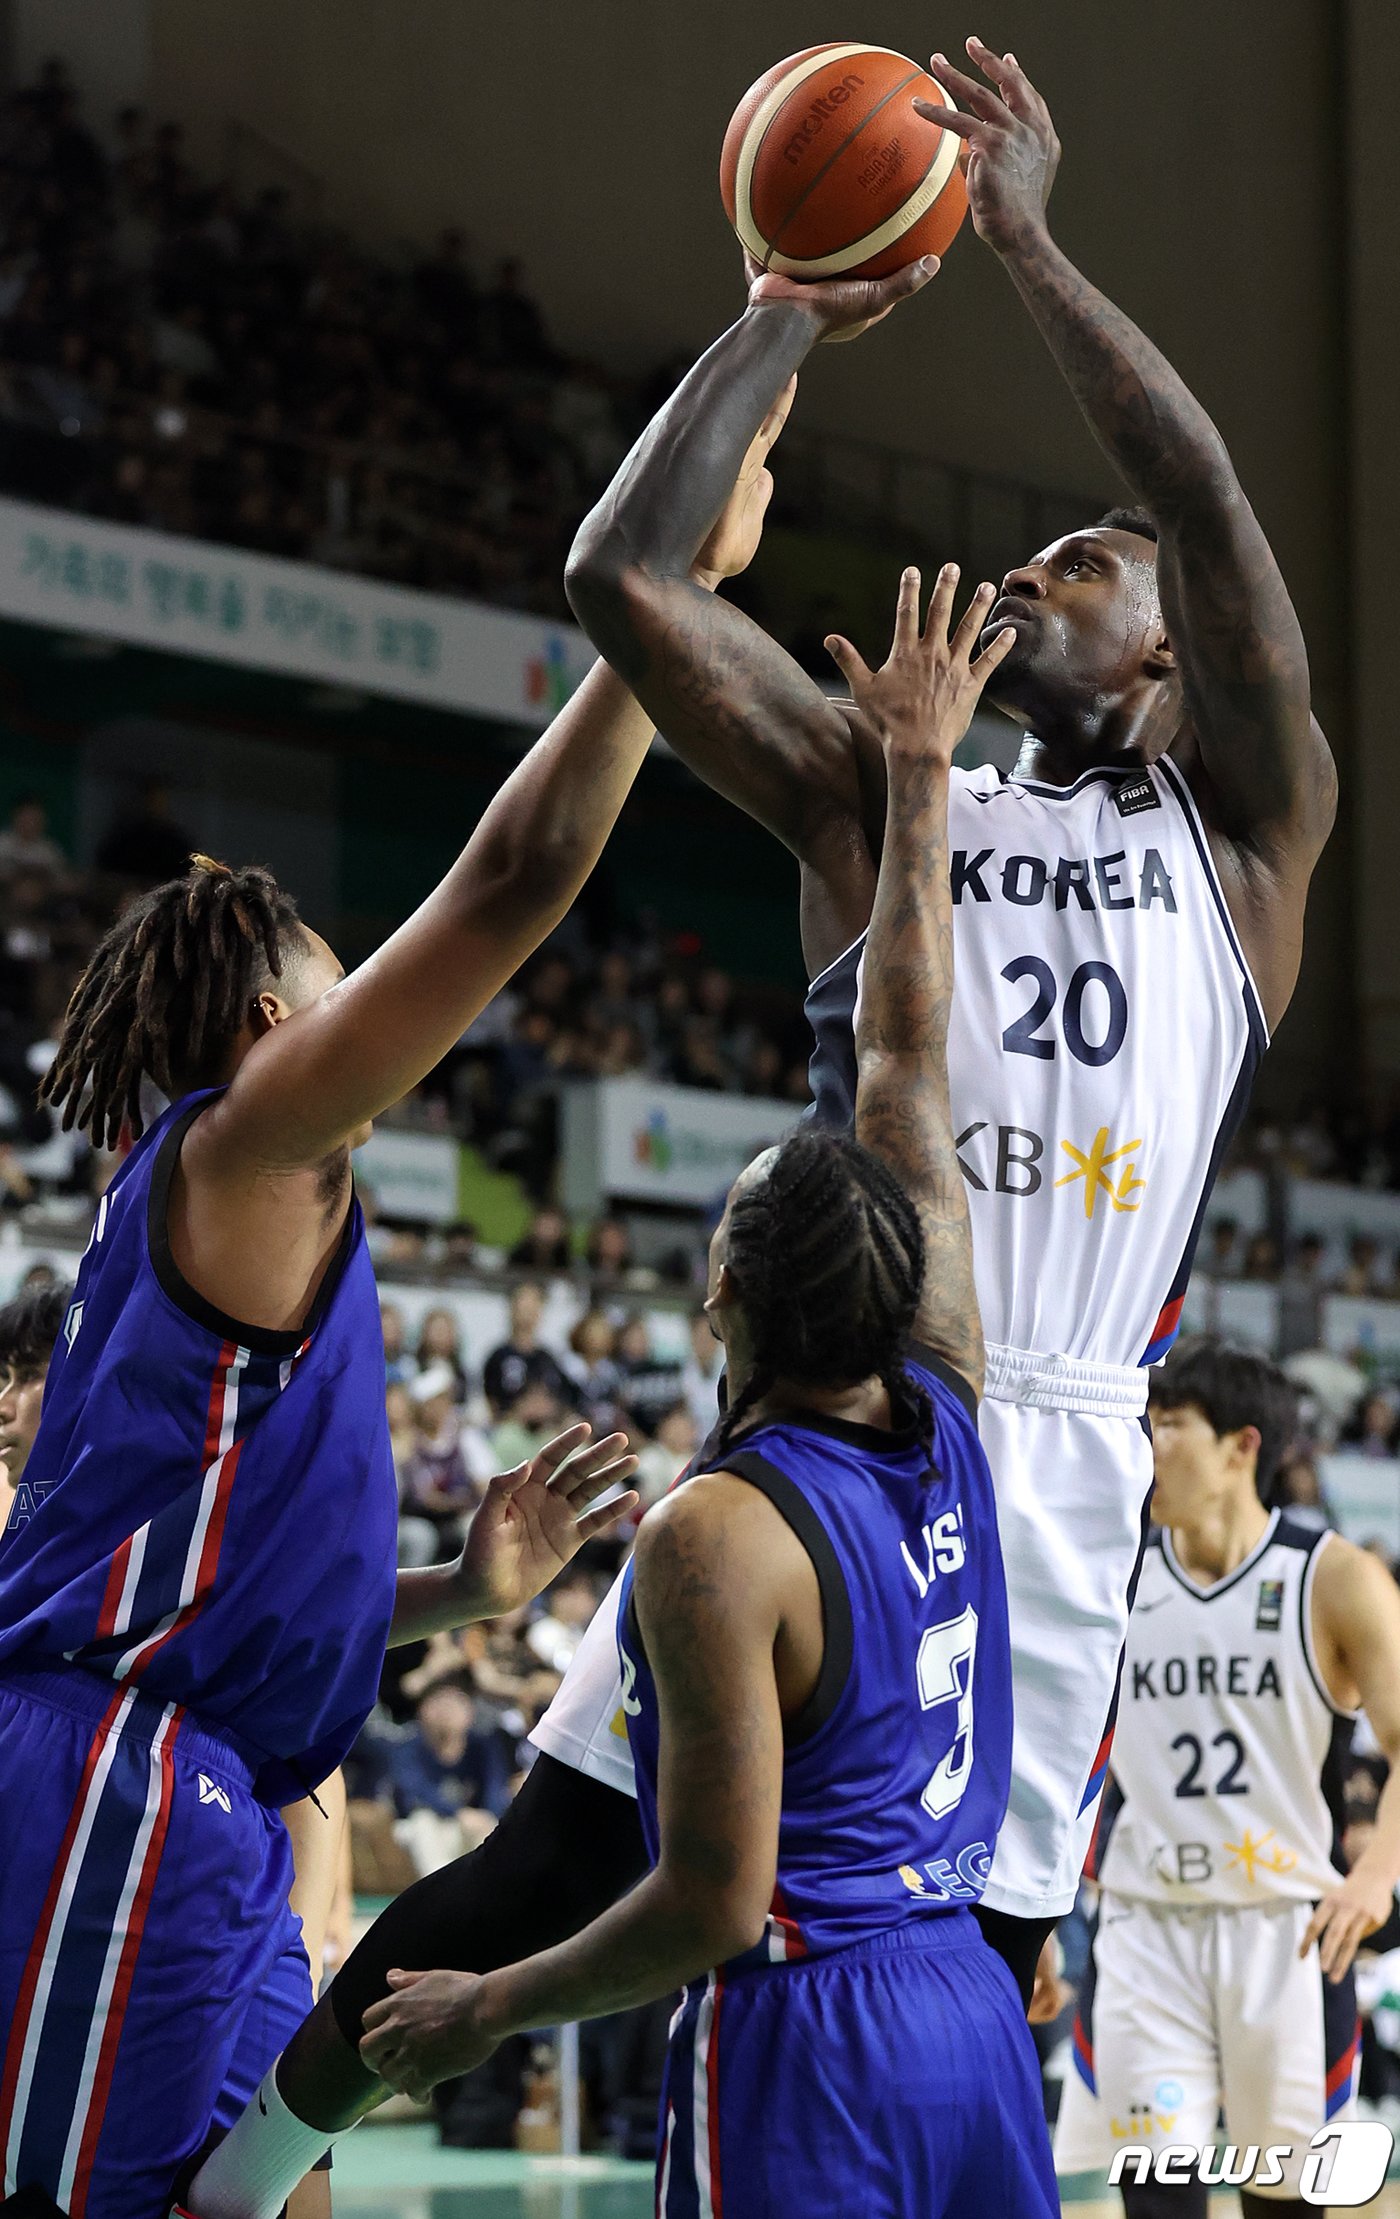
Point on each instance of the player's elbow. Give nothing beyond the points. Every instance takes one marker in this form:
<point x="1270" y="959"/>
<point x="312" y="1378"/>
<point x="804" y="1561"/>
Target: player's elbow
<point x="609" y="592"/>
<point x="737" y="1922"/>
<point x="593" y="571"/>
<point x="722" y="1907"/>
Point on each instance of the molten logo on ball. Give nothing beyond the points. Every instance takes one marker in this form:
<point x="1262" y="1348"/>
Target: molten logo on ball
<point x="824" y="106"/>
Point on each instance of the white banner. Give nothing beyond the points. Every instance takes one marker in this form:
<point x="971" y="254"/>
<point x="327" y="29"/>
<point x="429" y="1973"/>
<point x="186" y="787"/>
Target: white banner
<point x="412" y="1176"/>
<point x="1244" y="1311"/>
<point x="1326" y="1206"/>
<point x="1363" y="1494"/>
<point x="1360" y="1327"/>
<point x="189" y="597"/>
<point x="642" y="1141"/>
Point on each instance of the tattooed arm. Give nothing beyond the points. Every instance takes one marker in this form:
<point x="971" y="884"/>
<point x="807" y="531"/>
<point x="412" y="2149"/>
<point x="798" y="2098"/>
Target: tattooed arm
<point x="1227" y="611"/>
<point x="920" y="705"/>
<point x="718" y="1572"/>
<point x="731" y="702"/>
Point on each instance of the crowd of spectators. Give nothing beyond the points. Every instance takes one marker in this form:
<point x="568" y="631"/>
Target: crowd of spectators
<point x="1356" y="1142"/>
<point x="454" y="1419"/>
<point x="177" y="354"/>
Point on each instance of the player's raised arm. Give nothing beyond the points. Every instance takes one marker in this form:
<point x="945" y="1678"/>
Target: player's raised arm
<point x="1229" y="618"/>
<point x="732" y="703"/>
<point x="920" y="705"/>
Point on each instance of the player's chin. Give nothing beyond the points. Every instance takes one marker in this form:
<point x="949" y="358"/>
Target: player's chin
<point x="361" y="1134"/>
<point x="1017" y="660"/>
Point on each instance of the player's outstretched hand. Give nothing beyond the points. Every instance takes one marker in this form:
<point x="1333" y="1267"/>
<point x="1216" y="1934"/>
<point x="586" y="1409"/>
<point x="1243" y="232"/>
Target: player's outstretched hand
<point x="1343" y="1919"/>
<point x="733" y="543"/>
<point x="425" y="2031"/>
<point x="920" y="702"/>
<point x="1012" y="150"/>
<point x="843" y="306"/>
<point x="534" y="1519"/>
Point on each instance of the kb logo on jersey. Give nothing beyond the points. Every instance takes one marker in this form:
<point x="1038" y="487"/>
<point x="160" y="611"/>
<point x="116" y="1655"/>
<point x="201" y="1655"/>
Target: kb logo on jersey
<point x="1010" y="1162"/>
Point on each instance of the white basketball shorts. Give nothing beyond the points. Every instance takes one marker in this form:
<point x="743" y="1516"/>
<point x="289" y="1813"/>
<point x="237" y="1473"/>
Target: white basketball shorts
<point x="1185" y="2013"/>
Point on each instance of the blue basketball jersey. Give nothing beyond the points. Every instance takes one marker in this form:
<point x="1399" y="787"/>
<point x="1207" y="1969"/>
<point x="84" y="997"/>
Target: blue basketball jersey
<point x="896" y="1775"/>
<point x="210" y="1510"/>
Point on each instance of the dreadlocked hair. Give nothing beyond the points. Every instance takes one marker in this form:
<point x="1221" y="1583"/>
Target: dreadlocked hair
<point x="166" y="993"/>
<point x="828" y="1257"/>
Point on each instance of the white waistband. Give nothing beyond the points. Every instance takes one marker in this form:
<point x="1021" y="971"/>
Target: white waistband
<point x="1065" y="1383"/>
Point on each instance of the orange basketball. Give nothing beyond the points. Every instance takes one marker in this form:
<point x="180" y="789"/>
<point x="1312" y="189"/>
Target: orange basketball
<point x="828" y="172"/>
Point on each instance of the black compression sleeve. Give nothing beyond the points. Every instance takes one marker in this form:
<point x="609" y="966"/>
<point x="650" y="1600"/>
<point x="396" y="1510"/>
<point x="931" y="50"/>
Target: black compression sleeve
<point x="565" y="1850"/>
<point x="1019" y="1941"/>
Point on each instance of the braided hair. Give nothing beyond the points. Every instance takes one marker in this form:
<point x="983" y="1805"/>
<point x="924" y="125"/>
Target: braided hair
<point x="166" y="993"/>
<point x="828" y="1257"/>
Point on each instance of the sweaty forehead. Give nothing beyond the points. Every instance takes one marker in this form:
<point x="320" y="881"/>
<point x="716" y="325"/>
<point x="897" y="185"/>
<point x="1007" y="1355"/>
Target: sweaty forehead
<point x="1118" y="548"/>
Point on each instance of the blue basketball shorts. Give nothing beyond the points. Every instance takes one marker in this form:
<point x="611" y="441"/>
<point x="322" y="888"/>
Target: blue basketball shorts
<point x="150" y="1967"/>
<point x="892" y="2079"/>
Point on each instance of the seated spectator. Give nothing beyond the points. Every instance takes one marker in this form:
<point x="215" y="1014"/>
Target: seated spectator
<point x="1298" y="1492"/>
<point x="26" y="846"/>
<point x="564" y="1617"/>
<point x="597" y="1374"/>
<point x="440" y="1489"/>
<point x="1365" y="1272"/>
<point x="609" y="1252"/>
<point x="1261" y="1257"/>
<point x="660" y="1462"/>
<point x="1223" y="1258"/>
<point x="399" y="1365"/>
<point x="507" y="1673"/>
<point x="650" y="1383"/>
<point x="440" y="1342"/>
<point x="613" y="1001"/>
<point x="460" y="1243"/>
<point x="537" y="1414"/>
<point x="450" y="1772"/>
<point x="1373" y="1429"/>
<point x="545" y="1247"/>
<point x="701" y="1374"/>
<point x="521" y="1360"/>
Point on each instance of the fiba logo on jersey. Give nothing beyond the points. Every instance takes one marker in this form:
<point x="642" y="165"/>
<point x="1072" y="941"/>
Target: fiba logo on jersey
<point x="1345" y="2165"/>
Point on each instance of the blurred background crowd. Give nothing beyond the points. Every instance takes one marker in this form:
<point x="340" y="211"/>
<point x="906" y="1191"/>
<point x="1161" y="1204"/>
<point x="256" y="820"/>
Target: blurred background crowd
<point x="176" y="355"/>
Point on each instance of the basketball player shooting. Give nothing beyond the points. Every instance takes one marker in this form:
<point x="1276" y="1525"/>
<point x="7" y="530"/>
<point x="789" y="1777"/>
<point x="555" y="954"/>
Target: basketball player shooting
<point x="193" y="1620"/>
<point x="1128" y="908"/>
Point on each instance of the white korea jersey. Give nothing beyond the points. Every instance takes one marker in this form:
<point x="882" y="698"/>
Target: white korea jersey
<point x="1104" y="1037"/>
<point x="1105" y="1034"/>
<point x="1229" y="1754"/>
